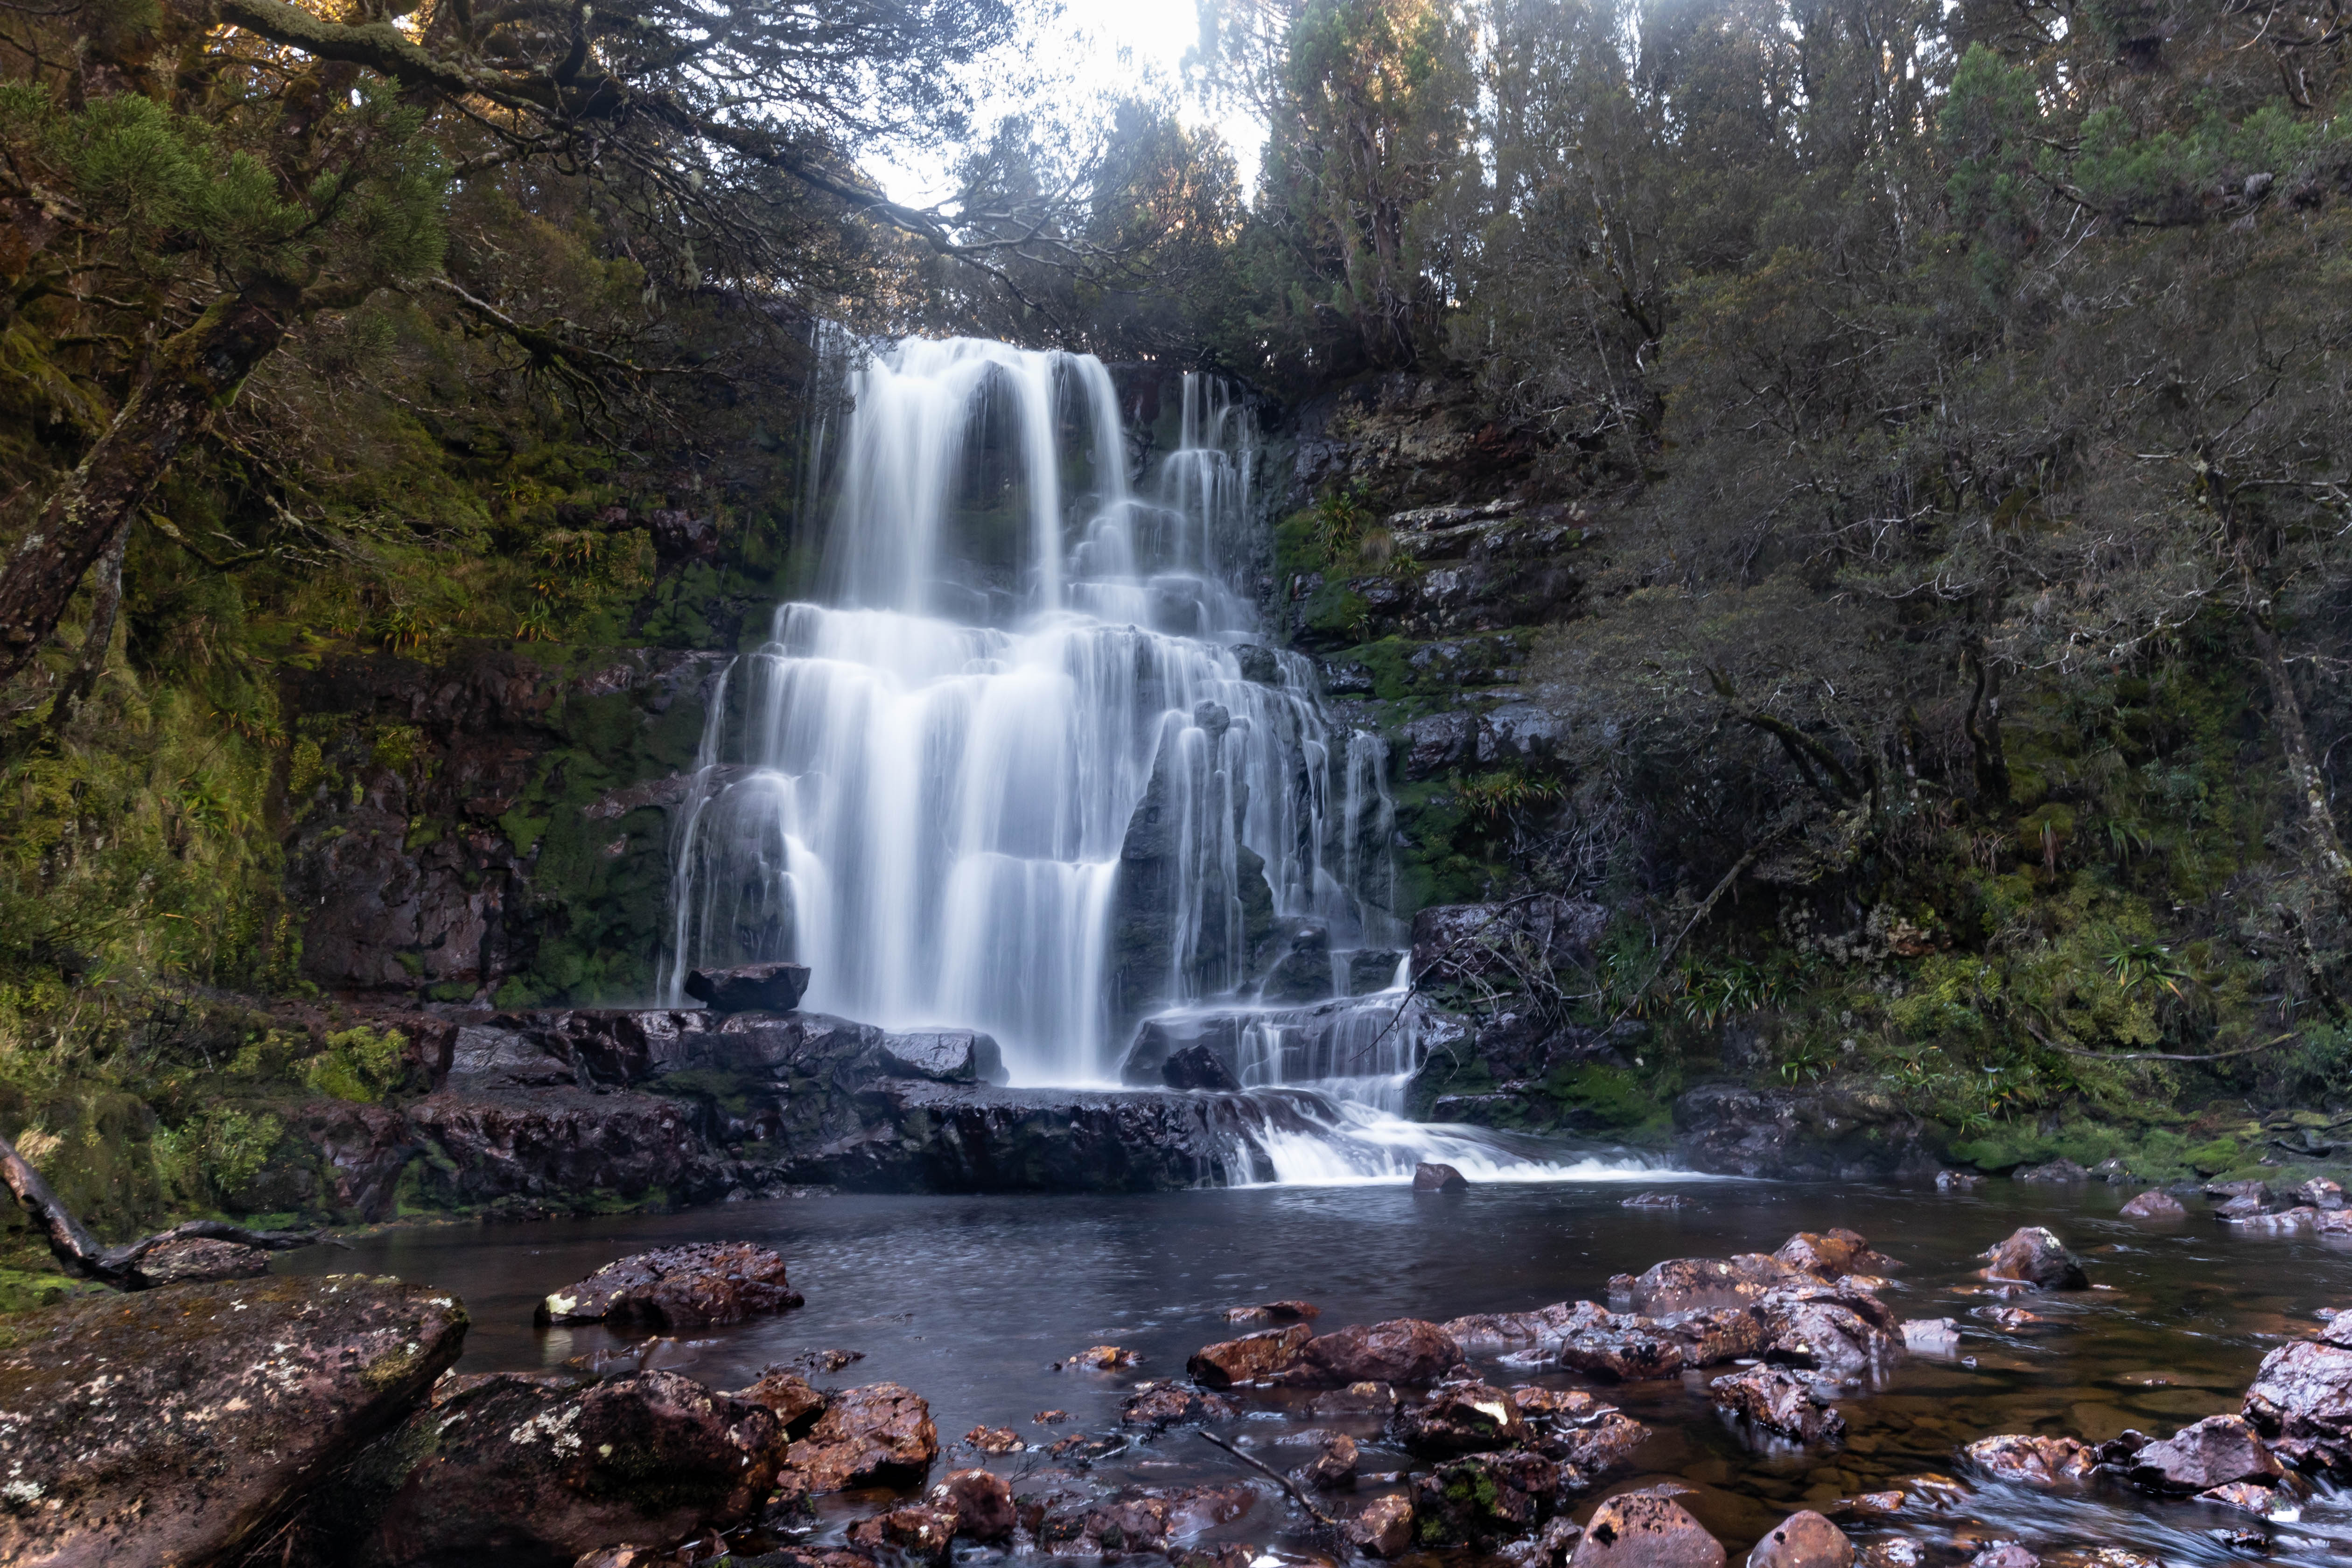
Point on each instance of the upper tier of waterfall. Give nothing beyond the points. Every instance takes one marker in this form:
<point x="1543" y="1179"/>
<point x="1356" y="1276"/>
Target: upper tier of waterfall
<point x="1024" y="769"/>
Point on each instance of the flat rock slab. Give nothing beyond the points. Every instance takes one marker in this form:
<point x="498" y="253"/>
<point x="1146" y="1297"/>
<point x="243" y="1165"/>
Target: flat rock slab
<point x="678" y="1288"/>
<point x="171" y="1426"/>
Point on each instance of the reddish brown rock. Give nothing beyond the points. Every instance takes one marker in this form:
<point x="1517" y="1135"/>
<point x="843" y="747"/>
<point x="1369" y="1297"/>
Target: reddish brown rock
<point x="1384" y="1527"/>
<point x="880" y="1433"/>
<point x="623" y="1557"/>
<point x="1803" y="1540"/>
<point x="1435" y="1178"/>
<point x="1642" y="1529"/>
<point x="1403" y="1350"/>
<point x="1780" y="1403"/>
<point x="787" y="1393"/>
<point x="1251" y="1357"/>
<point x="1834" y="1253"/>
<point x="2032" y="1256"/>
<point x="1461" y="1418"/>
<point x="1712" y="1335"/>
<point x="980" y="1502"/>
<point x="996" y="1440"/>
<point x="1103" y="1358"/>
<point x="2213" y="1452"/>
<point x="678" y="1288"/>
<point x="119" y="1449"/>
<point x="2038" y="1461"/>
<point x="194" y="1259"/>
<point x="2155" y="1204"/>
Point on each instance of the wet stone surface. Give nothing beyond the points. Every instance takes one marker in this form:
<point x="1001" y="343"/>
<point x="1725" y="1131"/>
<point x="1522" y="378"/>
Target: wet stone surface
<point x="2106" y="1396"/>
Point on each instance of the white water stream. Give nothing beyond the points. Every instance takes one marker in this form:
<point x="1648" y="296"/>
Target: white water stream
<point x="1030" y="677"/>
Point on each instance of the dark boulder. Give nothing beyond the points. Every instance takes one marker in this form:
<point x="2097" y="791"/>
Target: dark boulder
<point x="1333" y="1467"/>
<point x="2032" y="1256"/>
<point x="1403" y="1350"/>
<point x="1803" y="1540"/>
<point x="2213" y="1452"/>
<point x="1780" y="1403"/>
<point x="1435" y="1178"/>
<point x="172" y="1426"/>
<point x="1713" y="1335"/>
<point x="1460" y="1418"/>
<point x="1642" y="1529"/>
<point x="1625" y="1347"/>
<point x="1482" y="1499"/>
<point x="1249" y="1358"/>
<point x="880" y="1433"/>
<point x="193" y="1259"/>
<point x="678" y="1288"/>
<point x="2060" y="1172"/>
<point x="787" y="1395"/>
<point x="751" y="987"/>
<point x="982" y="1502"/>
<point x="534" y="1470"/>
<point x="916" y="1533"/>
<point x="1198" y="1067"/>
<point x="1273" y="1312"/>
<point x="1834" y="1328"/>
<point x="941" y="1056"/>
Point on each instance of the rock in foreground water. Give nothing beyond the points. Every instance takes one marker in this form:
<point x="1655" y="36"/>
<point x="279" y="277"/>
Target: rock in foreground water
<point x="2032" y="1256"/>
<point x="2301" y="1400"/>
<point x="538" y="1468"/>
<point x="1642" y="1529"/>
<point x="1250" y="1357"/>
<point x="2213" y="1452"/>
<point x="1803" y="1540"/>
<point x="168" y="1427"/>
<point x="2155" y="1204"/>
<point x="1428" y="1177"/>
<point x="1482" y="1499"/>
<point x="1778" y="1402"/>
<point x="2038" y="1461"/>
<point x="678" y="1288"/>
<point x="1383" y="1529"/>
<point x="1403" y="1350"/>
<point x="881" y="1433"/>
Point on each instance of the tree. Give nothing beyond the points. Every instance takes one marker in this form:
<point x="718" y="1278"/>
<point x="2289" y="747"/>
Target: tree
<point x="190" y="185"/>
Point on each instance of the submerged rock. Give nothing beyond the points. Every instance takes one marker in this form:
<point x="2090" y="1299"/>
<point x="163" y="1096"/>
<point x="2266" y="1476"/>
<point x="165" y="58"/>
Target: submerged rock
<point x="1780" y="1403"/>
<point x="538" y="1468"/>
<point x="2155" y="1204"/>
<point x="2039" y="1461"/>
<point x="751" y="987"/>
<point x="981" y="1503"/>
<point x="917" y="1533"/>
<point x="1273" y="1312"/>
<point x="1642" y="1529"/>
<point x="1161" y="1404"/>
<point x="169" y="1427"/>
<point x="678" y="1288"/>
<point x="2033" y="1256"/>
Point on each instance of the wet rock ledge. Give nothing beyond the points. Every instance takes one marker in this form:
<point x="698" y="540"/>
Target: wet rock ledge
<point x="583" y="1108"/>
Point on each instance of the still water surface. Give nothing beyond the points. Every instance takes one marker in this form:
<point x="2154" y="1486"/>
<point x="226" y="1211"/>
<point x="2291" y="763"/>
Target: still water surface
<point x="972" y="1300"/>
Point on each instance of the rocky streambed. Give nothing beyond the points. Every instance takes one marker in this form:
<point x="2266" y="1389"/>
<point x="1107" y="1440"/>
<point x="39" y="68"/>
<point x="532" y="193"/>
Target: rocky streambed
<point x="1541" y="1375"/>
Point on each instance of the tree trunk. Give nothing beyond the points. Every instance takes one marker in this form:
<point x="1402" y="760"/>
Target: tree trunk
<point x="197" y="373"/>
<point x="2302" y="773"/>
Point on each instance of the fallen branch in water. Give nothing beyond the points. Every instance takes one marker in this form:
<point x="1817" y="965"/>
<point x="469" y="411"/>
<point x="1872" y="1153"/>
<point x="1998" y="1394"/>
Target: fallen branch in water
<point x="1285" y="1482"/>
<point x="73" y="1245"/>
<point x="2152" y="1056"/>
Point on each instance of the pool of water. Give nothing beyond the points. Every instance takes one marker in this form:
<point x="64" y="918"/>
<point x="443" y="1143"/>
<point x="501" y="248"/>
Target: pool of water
<point x="972" y="1302"/>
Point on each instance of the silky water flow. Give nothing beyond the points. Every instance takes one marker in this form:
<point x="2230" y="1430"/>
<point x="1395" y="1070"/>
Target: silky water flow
<point x="1025" y="769"/>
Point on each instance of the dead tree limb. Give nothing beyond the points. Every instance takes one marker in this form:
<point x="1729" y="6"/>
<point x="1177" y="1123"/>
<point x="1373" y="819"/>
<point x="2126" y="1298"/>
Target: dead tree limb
<point x="79" y="1253"/>
<point x="1285" y="1482"/>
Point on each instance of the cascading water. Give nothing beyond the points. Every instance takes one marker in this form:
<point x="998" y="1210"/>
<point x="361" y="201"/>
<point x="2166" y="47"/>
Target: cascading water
<point x="1025" y="771"/>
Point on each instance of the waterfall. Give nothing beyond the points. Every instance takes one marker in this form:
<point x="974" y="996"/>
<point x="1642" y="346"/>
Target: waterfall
<point x="1025" y="769"/>
<point x="1031" y="677"/>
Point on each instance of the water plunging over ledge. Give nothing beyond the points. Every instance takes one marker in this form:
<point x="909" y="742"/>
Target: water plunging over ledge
<point x="1026" y="770"/>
